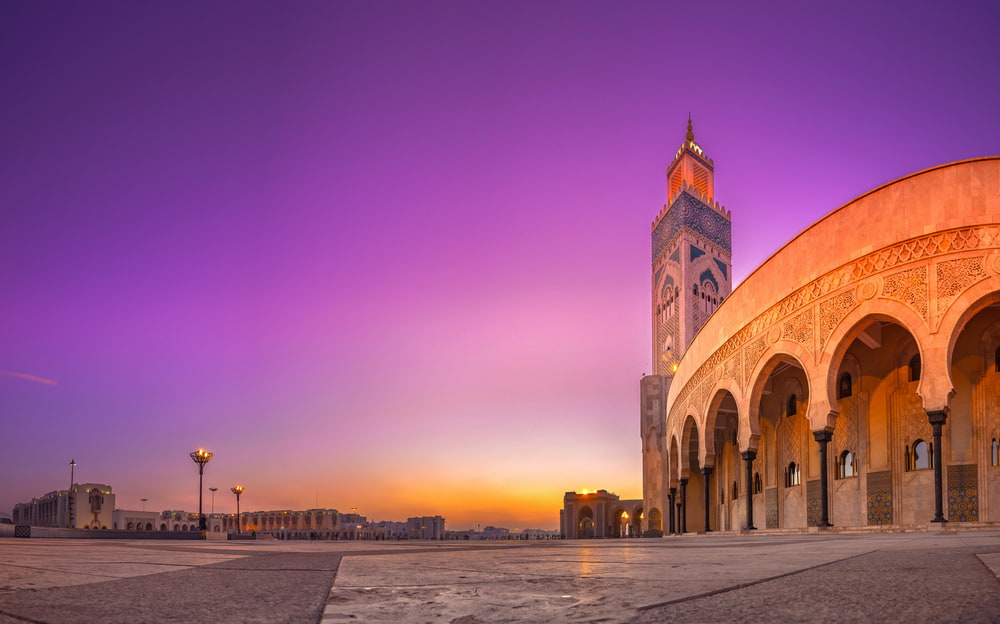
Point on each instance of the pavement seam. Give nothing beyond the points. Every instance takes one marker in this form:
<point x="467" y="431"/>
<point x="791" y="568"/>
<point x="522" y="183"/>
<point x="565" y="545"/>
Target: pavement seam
<point x="326" y="599"/>
<point x="724" y="590"/>
<point x="985" y="565"/>
<point x="21" y="619"/>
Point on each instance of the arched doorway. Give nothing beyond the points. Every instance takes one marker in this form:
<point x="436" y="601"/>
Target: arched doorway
<point x="585" y="523"/>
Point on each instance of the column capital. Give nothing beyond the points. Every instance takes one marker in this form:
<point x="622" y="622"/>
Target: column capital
<point x="937" y="417"/>
<point x="823" y="435"/>
<point x="749" y="455"/>
<point x="707" y="470"/>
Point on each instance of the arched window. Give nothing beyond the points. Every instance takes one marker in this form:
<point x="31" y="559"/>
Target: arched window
<point x="736" y="490"/>
<point x="695" y="290"/>
<point x="844" y="388"/>
<point x="995" y="452"/>
<point x="845" y="465"/>
<point x="918" y="456"/>
<point x="758" y="485"/>
<point x="792" y="477"/>
<point x="914" y="366"/>
<point x="793" y="406"/>
<point x="996" y="360"/>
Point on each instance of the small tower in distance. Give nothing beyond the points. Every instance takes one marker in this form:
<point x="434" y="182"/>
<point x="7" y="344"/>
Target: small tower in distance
<point x="692" y="255"/>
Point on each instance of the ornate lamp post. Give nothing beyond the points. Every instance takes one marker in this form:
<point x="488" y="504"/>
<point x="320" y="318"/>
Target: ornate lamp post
<point x="214" y="490"/>
<point x="144" y="503"/>
<point x="237" y="490"/>
<point x="70" y="502"/>
<point x="201" y="457"/>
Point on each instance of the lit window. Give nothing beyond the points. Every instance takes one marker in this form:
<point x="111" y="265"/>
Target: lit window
<point x="792" y="475"/>
<point x="918" y="456"/>
<point x="846" y="465"/>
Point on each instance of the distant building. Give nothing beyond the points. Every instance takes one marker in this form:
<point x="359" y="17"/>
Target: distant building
<point x="84" y="506"/>
<point x="599" y="514"/>
<point x="425" y="527"/>
<point x="126" y="520"/>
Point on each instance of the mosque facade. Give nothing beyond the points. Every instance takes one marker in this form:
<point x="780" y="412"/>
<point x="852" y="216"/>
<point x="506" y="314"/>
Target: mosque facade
<point x="851" y="380"/>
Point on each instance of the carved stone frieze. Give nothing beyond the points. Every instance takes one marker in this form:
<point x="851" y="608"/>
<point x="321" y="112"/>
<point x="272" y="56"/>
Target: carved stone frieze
<point x="832" y="311"/>
<point x="908" y="286"/>
<point x="800" y="329"/>
<point x="955" y="276"/>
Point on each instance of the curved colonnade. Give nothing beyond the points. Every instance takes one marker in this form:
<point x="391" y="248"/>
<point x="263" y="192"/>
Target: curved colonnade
<point x="853" y="379"/>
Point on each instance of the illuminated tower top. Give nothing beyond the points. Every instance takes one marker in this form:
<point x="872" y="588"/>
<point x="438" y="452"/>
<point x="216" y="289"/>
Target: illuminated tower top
<point x="692" y="167"/>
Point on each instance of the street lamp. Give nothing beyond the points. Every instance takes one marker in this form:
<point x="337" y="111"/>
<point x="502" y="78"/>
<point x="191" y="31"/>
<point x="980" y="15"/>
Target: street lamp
<point x="214" y="490"/>
<point x="237" y="490"/>
<point x="144" y="503"/>
<point x="201" y="457"/>
<point x="70" y="502"/>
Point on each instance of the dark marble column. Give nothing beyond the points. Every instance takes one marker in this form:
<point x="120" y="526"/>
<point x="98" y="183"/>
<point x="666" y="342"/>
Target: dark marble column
<point x="682" y="521"/>
<point x="671" y="510"/>
<point x="823" y="437"/>
<point x="937" y="420"/>
<point x="748" y="457"/>
<point x="706" y="473"/>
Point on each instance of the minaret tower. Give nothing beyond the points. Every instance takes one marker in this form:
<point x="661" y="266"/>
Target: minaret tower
<point x="692" y="273"/>
<point x="692" y="255"/>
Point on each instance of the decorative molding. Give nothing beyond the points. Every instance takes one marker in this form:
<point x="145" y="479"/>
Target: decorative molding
<point x="857" y="273"/>
<point x="908" y="286"/>
<point x="955" y="276"/>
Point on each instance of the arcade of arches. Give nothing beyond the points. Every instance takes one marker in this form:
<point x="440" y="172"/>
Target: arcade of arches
<point x="851" y="380"/>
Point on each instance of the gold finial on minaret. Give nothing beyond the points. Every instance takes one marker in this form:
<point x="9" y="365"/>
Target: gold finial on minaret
<point x="690" y="134"/>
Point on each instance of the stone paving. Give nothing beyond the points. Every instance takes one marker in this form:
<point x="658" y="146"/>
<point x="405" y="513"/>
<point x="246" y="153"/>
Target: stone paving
<point x="916" y="577"/>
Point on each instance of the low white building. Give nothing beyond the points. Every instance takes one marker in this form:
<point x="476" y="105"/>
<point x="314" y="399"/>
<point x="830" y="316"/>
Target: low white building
<point x="84" y="506"/>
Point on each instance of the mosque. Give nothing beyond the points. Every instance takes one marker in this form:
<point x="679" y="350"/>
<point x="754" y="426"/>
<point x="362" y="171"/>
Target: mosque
<point x="852" y="380"/>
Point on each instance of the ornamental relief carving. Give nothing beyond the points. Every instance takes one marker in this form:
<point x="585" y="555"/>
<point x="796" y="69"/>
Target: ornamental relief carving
<point x="845" y="432"/>
<point x="800" y="330"/>
<point x="909" y="286"/>
<point x="833" y="310"/>
<point x="732" y="369"/>
<point x="955" y="276"/>
<point x="908" y="412"/>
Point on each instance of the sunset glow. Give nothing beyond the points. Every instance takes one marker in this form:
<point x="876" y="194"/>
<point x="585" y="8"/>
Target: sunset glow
<point x="396" y="256"/>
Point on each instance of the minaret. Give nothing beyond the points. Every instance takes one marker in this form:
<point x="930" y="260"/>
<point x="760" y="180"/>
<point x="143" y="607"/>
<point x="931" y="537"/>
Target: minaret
<point x="692" y="255"/>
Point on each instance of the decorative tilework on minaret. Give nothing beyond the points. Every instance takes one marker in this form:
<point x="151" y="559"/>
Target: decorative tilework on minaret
<point x="692" y="254"/>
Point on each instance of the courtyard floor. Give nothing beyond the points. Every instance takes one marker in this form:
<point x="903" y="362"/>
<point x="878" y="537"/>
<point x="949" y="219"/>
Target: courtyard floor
<point x="913" y="577"/>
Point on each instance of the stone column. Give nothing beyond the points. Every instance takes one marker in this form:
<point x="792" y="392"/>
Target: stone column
<point x="748" y="457"/>
<point x="937" y="419"/>
<point x="671" y="510"/>
<point x="706" y="473"/>
<point x="823" y="437"/>
<point x="682" y="521"/>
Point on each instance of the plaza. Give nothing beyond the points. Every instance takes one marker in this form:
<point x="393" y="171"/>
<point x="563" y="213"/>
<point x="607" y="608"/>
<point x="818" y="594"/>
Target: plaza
<point x="922" y="576"/>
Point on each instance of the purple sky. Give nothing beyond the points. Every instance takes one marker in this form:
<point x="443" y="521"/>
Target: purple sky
<point x="395" y="256"/>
